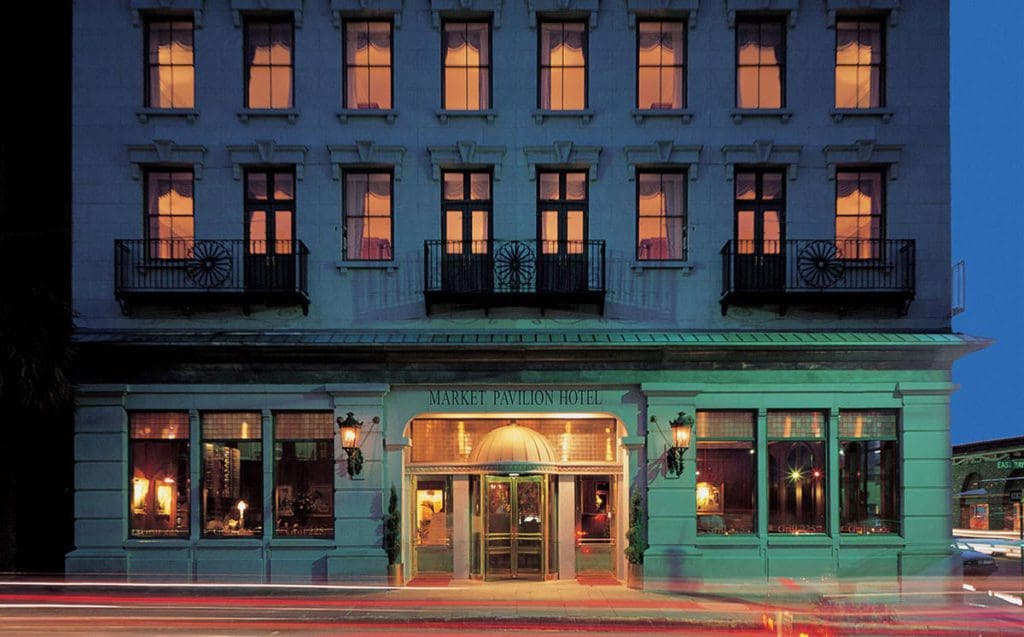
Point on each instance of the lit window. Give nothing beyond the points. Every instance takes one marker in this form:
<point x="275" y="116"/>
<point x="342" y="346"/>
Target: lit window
<point x="232" y="474"/>
<point x="563" y="66"/>
<point x="170" y="221"/>
<point x="159" y="456"/>
<point x="268" y="63"/>
<point x="859" y="64"/>
<point x="869" y="472"/>
<point x="726" y="473"/>
<point x="859" y="212"/>
<point x="368" y="65"/>
<point x="661" y="216"/>
<point x="467" y="66"/>
<point x="760" y="208"/>
<point x="368" y="210"/>
<point x="304" y="474"/>
<point x="661" y="56"/>
<point x="170" y="64"/>
<point x="760" y="64"/>
<point x="270" y="211"/>
<point x="797" y="472"/>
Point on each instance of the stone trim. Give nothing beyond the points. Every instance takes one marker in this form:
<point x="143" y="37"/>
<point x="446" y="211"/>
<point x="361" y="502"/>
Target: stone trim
<point x="563" y="153"/>
<point x="295" y="7"/>
<point x="663" y="152"/>
<point x="889" y="7"/>
<point x="761" y="152"/>
<point x="440" y="9"/>
<point x="165" y="151"/>
<point x="168" y="7"/>
<point x="790" y="7"/>
<point x="582" y="8"/>
<point x="465" y="153"/>
<point x="267" y="151"/>
<point x="686" y="9"/>
<point x="366" y="153"/>
<point x="864" y="151"/>
<point x="344" y="9"/>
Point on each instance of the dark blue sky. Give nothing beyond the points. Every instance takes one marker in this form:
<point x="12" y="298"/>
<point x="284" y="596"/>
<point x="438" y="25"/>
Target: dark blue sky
<point x="987" y="93"/>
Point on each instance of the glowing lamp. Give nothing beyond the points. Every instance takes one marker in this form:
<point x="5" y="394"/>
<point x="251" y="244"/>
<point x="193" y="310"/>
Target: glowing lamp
<point x="349" y="431"/>
<point x="682" y="430"/>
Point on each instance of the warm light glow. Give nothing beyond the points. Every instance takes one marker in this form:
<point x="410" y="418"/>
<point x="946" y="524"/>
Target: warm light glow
<point x="682" y="436"/>
<point x="795" y="475"/>
<point x="348" y="437"/>
<point x="140" y="491"/>
<point x="241" y="506"/>
<point x="245" y="429"/>
<point x="703" y="493"/>
<point x="817" y="474"/>
<point x="164" y="499"/>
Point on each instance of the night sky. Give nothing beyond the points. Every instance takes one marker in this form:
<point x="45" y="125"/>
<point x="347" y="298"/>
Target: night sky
<point x="987" y="95"/>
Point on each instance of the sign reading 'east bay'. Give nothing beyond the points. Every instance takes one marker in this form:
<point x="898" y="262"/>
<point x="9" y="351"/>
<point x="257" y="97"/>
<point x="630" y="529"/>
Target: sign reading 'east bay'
<point x="1010" y="464"/>
<point x="514" y="397"/>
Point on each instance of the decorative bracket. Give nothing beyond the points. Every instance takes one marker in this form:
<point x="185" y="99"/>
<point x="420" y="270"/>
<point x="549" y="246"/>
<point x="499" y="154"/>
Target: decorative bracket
<point x="166" y="152"/>
<point x="267" y="151"/>
<point x="864" y="151"/>
<point x="790" y="7"/>
<point x="366" y="153"/>
<point x="589" y="8"/>
<point x="663" y="153"/>
<point x="761" y="152"/>
<point x="563" y="154"/>
<point x="834" y="7"/>
<point x="341" y="9"/>
<point x="168" y="7"/>
<point x="466" y="153"/>
<point x="686" y="9"/>
<point x="295" y="7"/>
<point x="460" y="8"/>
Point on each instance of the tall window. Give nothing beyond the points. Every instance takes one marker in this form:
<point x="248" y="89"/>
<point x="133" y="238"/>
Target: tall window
<point x="368" y="65"/>
<point x="860" y="64"/>
<point x="170" y="64"/>
<point x="760" y="64"/>
<point x="170" y="221"/>
<point x="869" y="472"/>
<point x="726" y="473"/>
<point x="269" y="211"/>
<point x="563" y="211"/>
<point x="232" y="474"/>
<point x="859" y="213"/>
<point x="269" y="63"/>
<point x="159" y="456"/>
<point x="760" y="207"/>
<point x="661" y="215"/>
<point x="563" y="66"/>
<point x="304" y="474"/>
<point x="368" y="210"/>
<point x="467" y="66"/>
<point x="796" y="472"/>
<point x="661" y="71"/>
<point x="467" y="212"/>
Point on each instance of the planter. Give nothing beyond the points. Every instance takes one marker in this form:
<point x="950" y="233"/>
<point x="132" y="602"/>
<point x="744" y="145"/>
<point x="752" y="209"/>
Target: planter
<point x="396" y="576"/>
<point x="635" y="576"/>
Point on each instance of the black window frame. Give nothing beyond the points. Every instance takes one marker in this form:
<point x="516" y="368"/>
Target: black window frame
<point x="759" y="204"/>
<point x="345" y="65"/>
<point x="563" y="204"/>
<point x="586" y="63"/>
<point x="148" y="65"/>
<point x="760" y="21"/>
<point x="683" y="78"/>
<point x="390" y="172"/>
<point x="683" y="172"/>
<point x="268" y="20"/>
<point x="271" y="206"/>
<point x="466" y="204"/>
<point x="489" y="66"/>
<point x="859" y="20"/>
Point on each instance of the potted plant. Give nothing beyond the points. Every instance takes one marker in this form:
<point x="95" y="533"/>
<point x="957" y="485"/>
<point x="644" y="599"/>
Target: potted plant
<point x="636" y="536"/>
<point x="393" y="541"/>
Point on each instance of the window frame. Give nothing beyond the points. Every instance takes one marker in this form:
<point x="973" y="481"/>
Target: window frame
<point x="268" y="20"/>
<point x="204" y="533"/>
<point x="130" y="505"/>
<point x="390" y="172"/>
<point x="489" y="66"/>
<point x="682" y="67"/>
<point x="878" y="254"/>
<point x="897" y="464"/>
<point x="759" y="205"/>
<point x="345" y="65"/>
<point x="760" y="21"/>
<point x="683" y="172"/>
<point x="541" y="23"/>
<point x="270" y="206"/>
<point x="754" y="451"/>
<point x="148" y="66"/>
<point x="824" y="476"/>
<point x="276" y="506"/>
<point x="859" y="20"/>
<point x="147" y="217"/>
<point x="467" y="205"/>
<point x="562" y="205"/>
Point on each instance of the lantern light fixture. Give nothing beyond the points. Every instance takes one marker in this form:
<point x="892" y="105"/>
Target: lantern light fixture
<point x="348" y="428"/>
<point x="682" y="430"/>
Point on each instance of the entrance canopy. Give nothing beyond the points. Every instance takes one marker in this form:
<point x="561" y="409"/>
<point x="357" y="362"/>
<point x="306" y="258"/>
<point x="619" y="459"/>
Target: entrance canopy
<point x="513" y="448"/>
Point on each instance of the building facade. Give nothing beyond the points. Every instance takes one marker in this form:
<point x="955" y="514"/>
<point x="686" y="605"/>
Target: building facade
<point x="515" y="242"/>
<point x="988" y="480"/>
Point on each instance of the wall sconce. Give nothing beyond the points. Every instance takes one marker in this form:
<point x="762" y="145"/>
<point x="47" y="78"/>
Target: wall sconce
<point x="682" y="429"/>
<point x="349" y="430"/>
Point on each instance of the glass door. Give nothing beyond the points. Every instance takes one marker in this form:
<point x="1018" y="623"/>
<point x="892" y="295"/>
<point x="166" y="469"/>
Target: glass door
<point x="514" y="531"/>
<point x="562" y="231"/>
<point x="595" y="524"/>
<point x="270" y="220"/>
<point x="466" y="228"/>
<point x="760" y="245"/>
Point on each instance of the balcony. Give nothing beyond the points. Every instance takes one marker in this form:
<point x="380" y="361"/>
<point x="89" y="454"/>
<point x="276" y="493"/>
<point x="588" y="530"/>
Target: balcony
<point x="544" y="274"/>
<point x="818" y="272"/>
<point x="206" y="272"/>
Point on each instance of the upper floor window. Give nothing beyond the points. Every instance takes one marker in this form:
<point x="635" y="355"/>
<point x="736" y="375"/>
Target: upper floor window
<point x="368" y="60"/>
<point x="170" y="64"/>
<point x="467" y="212"/>
<point x="661" y="71"/>
<point x="860" y="63"/>
<point x="269" y="63"/>
<point x="159" y="455"/>
<point x="368" y="213"/>
<point x="760" y="64"/>
<point x="467" y="66"/>
<point x="269" y="211"/>
<point x="661" y="216"/>
<point x="859" y="213"/>
<point x="170" y="221"/>
<point x="563" y="66"/>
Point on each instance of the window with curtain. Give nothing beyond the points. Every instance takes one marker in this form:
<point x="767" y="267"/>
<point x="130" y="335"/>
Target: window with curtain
<point x="797" y="472"/>
<point x="170" y="63"/>
<point x="860" y="210"/>
<point x="661" y="71"/>
<point x="860" y="64"/>
<point x="368" y="62"/>
<point x="269" y="67"/>
<point x="661" y="215"/>
<point x="170" y="221"/>
<point x="563" y="66"/>
<point x="869" y="472"/>
<point x="304" y="474"/>
<point x="159" y="458"/>
<point x="270" y="210"/>
<point x="467" y="66"/>
<point x="232" y="456"/>
<point x="726" y="473"/>
<point x="760" y="64"/>
<point x="467" y="212"/>
<point x="368" y="214"/>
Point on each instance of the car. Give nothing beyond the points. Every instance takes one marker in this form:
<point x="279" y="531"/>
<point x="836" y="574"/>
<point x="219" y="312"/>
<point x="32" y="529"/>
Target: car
<point x="975" y="562"/>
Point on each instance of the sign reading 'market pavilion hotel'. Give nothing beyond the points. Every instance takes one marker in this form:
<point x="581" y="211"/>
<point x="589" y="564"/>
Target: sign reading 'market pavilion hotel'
<point x="514" y="397"/>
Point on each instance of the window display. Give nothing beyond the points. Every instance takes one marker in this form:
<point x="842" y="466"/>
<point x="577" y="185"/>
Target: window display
<point x="304" y="474"/>
<point x="159" y="454"/>
<point x="796" y="472"/>
<point x="232" y="493"/>
<point x="726" y="470"/>
<point x="869" y="479"/>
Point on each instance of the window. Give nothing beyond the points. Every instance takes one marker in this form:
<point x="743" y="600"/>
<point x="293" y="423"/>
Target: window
<point x="368" y="65"/>
<point x="467" y="212"/>
<point x="563" y="211"/>
<point x="269" y="63"/>
<point x="796" y="472"/>
<point x="170" y="64"/>
<point x="232" y="474"/>
<point x="661" y="71"/>
<point x="760" y="64"/>
<point x="760" y="207"/>
<point x="859" y="208"/>
<point x="563" y="66"/>
<point x="726" y="473"/>
<point x="869" y="478"/>
<point x="368" y="209"/>
<point x="661" y="216"/>
<point x="304" y="474"/>
<point x="159" y="455"/>
<point x="170" y="221"/>
<point x="269" y="211"/>
<point x="467" y="66"/>
<point x="860" y="64"/>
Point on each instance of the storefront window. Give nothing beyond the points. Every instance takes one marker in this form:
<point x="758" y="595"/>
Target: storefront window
<point x="595" y="523"/>
<point x="433" y="539"/>
<point x="232" y="474"/>
<point x="796" y="472"/>
<point x="304" y="474"/>
<point x="869" y="480"/>
<point x="160" y="474"/>
<point x="726" y="470"/>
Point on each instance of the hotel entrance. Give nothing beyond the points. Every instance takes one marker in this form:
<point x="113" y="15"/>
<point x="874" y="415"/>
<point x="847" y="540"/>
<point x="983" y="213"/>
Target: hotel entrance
<point x="515" y="529"/>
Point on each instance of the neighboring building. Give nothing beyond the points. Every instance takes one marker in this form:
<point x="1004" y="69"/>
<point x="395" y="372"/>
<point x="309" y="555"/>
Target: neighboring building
<point x="515" y="241"/>
<point x="988" y="481"/>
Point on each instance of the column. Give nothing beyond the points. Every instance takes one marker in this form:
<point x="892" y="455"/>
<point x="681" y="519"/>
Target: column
<point x="460" y="527"/>
<point x="566" y="527"/>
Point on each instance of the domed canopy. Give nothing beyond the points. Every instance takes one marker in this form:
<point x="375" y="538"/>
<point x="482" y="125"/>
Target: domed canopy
<point x="513" y="448"/>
